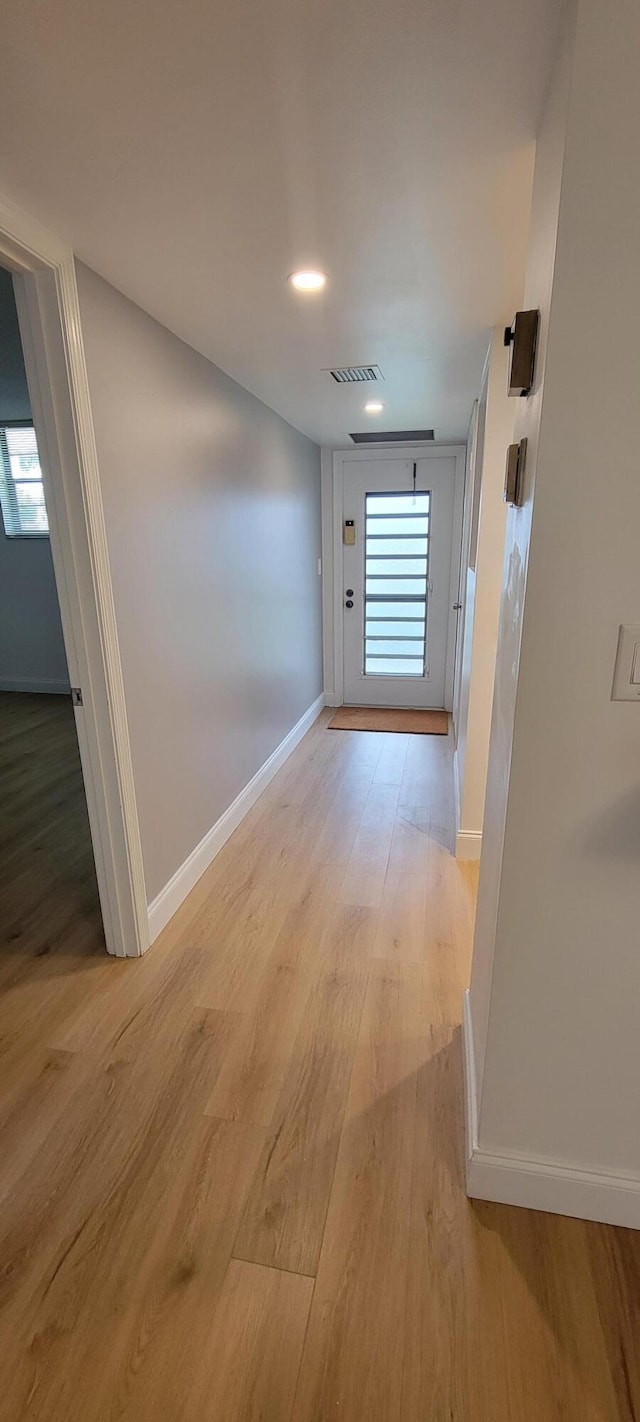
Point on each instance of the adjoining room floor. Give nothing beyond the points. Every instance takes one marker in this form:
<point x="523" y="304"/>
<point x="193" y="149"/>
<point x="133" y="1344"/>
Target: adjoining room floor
<point x="49" y="905"/>
<point x="231" y="1174"/>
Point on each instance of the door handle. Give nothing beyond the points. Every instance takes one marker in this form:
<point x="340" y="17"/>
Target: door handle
<point x="349" y="602"/>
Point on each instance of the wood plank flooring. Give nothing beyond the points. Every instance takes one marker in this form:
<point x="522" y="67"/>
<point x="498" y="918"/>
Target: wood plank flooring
<point x="231" y="1174"/>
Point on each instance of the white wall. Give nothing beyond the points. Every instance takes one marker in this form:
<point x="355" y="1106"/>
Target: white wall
<point x="538" y="287"/>
<point x="555" y="991"/>
<point x="32" y="656"/>
<point x="212" y="506"/>
<point x="481" y="597"/>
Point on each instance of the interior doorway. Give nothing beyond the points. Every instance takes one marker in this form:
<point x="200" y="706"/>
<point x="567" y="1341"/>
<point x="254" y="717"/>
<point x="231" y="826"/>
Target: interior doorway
<point x="49" y="901"/>
<point x="398" y="568"/>
<point x="44" y="278"/>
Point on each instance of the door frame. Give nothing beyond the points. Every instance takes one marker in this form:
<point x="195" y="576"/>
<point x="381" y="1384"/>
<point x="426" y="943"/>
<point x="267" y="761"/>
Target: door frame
<point x="345" y="457"/>
<point x="465" y="548"/>
<point x="50" y="326"/>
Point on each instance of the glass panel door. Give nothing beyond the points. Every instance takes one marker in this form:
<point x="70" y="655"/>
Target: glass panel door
<point x="396" y="569"/>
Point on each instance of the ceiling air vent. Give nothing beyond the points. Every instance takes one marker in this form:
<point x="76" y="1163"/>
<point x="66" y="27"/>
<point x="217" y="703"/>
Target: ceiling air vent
<point x="392" y="436"/>
<point x="356" y="374"/>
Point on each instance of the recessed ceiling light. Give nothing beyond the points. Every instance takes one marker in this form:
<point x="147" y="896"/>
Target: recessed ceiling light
<point x="308" y="281"/>
<point x="373" y="407"/>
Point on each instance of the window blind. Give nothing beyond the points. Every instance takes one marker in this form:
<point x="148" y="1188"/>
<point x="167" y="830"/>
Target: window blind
<point x="21" y="493"/>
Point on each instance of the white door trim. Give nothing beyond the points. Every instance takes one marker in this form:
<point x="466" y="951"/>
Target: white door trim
<point x="401" y="451"/>
<point x="49" y="315"/>
<point x="465" y="543"/>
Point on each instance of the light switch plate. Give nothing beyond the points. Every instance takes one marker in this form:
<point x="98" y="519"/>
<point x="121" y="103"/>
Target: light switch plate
<point x="626" y="676"/>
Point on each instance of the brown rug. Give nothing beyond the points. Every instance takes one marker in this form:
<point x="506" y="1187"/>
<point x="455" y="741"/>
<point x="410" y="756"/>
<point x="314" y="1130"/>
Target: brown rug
<point x="373" y="718"/>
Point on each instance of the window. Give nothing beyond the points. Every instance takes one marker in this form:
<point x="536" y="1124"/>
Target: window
<point x="396" y="584"/>
<point x="21" y="492"/>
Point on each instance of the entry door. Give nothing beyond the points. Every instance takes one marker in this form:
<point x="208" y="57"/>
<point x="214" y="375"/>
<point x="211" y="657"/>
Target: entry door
<point x="396" y="580"/>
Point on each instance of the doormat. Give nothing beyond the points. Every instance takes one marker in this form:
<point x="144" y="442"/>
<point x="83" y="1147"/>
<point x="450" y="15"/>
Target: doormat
<point x="373" y="718"/>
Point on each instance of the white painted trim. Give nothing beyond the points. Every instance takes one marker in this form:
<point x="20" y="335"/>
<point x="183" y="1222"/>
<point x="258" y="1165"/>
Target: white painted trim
<point x="553" y="1186"/>
<point x="338" y="575"/>
<point x="326" y="483"/>
<point x="470" y="1084"/>
<point x="457" y="804"/>
<point x="469" y="468"/>
<point x="183" y="881"/>
<point x="44" y="685"/>
<point x="468" y="844"/>
<point x="49" y="314"/>
<point x="454" y="576"/>
<point x="356" y="456"/>
<point x="512" y="1178"/>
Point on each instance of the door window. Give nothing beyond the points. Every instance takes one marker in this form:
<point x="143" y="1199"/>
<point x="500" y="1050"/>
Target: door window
<point x="396" y="584"/>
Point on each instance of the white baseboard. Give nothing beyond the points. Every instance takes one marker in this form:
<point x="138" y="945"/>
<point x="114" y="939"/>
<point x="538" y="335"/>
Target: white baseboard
<point x="331" y="699"/>
<point x="468" y="844"/>
<point x="511" y="1178"/>
<point x="182" y="882"/>
<point x="44" y="684"/>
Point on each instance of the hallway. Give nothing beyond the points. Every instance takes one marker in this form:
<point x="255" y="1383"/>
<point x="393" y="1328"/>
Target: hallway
<point x="232" y="1173"/>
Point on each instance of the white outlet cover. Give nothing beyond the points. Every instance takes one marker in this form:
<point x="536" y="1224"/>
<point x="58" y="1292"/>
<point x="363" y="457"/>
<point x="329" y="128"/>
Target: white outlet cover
<point x="626" y="686"/>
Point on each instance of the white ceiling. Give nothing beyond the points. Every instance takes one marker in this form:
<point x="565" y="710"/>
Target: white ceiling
<point x="196" y="151"/>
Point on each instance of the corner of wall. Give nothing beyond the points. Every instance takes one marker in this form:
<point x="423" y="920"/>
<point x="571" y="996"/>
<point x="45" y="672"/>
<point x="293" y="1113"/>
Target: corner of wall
<point x="469" y="845"/>
<point x="532" y="1183"/>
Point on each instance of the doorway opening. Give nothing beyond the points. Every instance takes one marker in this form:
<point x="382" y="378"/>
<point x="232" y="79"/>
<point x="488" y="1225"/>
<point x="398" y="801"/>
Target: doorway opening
<point x="62" y="461"/>
<point x="49" y="895"/>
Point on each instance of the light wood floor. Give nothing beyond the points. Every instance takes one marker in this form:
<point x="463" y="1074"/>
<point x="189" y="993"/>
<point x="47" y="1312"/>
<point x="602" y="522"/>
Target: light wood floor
<point x="231" y="1173"/>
